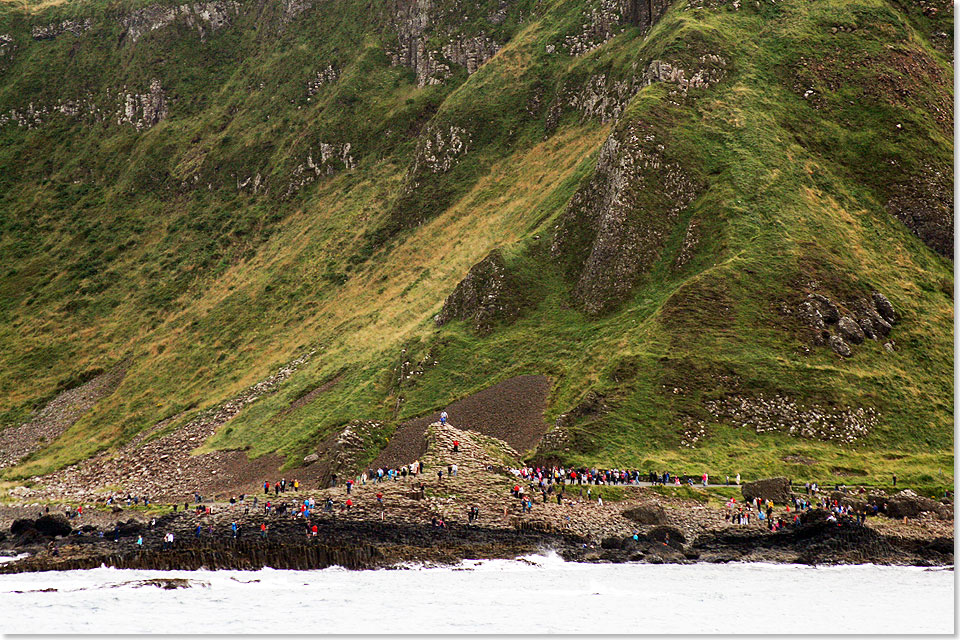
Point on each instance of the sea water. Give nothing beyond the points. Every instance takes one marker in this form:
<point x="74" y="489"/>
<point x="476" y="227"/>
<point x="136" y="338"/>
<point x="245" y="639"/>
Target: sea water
<point x="537" y="594"/>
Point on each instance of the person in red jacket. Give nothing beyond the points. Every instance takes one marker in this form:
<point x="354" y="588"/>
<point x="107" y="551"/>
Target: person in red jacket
<point x="349" y="503"/>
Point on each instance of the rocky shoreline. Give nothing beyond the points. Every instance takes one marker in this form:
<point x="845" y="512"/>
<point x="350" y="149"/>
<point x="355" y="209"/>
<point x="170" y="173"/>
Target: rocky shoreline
<point x="475" y="514"/>
<point x="289" y="544"/>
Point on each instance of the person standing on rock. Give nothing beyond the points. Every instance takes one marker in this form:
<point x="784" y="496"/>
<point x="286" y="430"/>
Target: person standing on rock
<point x="380" y="499"/>
<point x="443" y="418"/>
<point x="349" y="486"/>
<point x="263" y="530"/>
<point x="439" y="475"/>
<point x="456" y="446"/>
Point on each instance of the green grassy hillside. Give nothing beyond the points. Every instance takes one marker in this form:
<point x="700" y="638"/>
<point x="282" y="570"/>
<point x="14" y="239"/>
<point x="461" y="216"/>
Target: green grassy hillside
<point x="206" y="192"/>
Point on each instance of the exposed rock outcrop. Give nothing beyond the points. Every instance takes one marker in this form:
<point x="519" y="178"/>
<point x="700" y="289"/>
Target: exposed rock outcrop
<point x="616" y="224"/>
<point x="850" y="330"/>
<point x="782" y="414"/>
<point x="488" y="295"/>
<point x="144" y="110"/>
<point x="860" y="320"/>
<point x="606" y="19"/>
<point x="438" y="150"/>
<point x="908" y="504"/>
<point x="776" y="490"/>
<point x="605" y="98"/>
<point x="414" y="21"/>
<point x="325" y="76"/>
<point x="51" y="31"/>
<point x="342" y="452"/>
<point x="332" y="157"/>
<point x="205" y="17"/>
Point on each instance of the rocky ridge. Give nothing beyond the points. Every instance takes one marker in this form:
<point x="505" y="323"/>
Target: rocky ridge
<point x="486" y="296"/>
<point x="205" y="17"/>
<point x="615" y="226"/>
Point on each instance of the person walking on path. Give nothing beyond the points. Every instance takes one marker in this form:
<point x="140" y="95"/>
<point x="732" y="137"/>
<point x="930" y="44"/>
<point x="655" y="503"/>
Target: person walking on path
<point x="894" y="479"/>
<point x="439" y="475"/>
<point x="443" y="418"/>
<point x="738" y="479"/>
<point x="380" y="499"/>
<point x="349" y="486"/>
<point x="456" y="446"/>
<point x="263" y="530"/>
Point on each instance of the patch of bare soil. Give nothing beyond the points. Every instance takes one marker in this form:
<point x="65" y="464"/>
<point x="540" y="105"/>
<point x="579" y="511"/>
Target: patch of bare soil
<point x="50" y="422"/>
<point x="511" y="411"/>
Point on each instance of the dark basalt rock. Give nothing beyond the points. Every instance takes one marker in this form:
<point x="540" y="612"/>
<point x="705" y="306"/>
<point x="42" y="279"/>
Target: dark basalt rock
<point x="647" y="514"/>
<point x="20" y="525"/>
<point x="885" y="308"/>
<point x="775" y="489"/>
<point x="850" y="330"/>
<point x="827" y="308"/>
<point x="908" y="504"/>
<point x="53" y="525"/>
<point x="840" y="346"/>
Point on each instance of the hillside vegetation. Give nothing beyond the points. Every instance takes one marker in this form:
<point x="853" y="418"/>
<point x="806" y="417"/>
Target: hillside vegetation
<point x="688" y="216"/>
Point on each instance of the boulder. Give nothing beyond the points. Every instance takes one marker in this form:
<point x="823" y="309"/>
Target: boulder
<point x="20" y="525"/>
<point x="669" y="536"/>
<point x="866" y="325"/>
<point x="53" y="525"/>
<point x="840" y="346"/>
<point x="884" y="308"/>
<point x="310" y="459"/>
<point x="827" y="308"/>
<point x="866" y="311"/>
<point x="647" y="514"/>
<point x="775" y="489"/>
<point x="850" y="330"/>
<point x="811" y="316"/>
<point x="908" y="504"/>
<point x="130" y="528"/>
